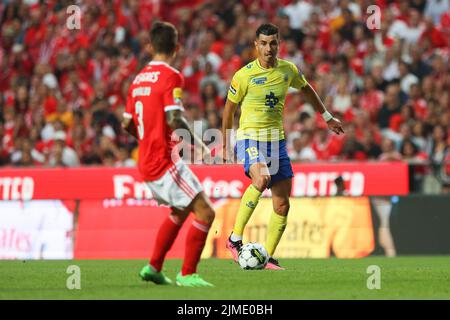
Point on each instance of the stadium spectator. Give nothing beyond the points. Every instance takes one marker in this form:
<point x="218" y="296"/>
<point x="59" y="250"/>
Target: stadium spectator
<point x="417" y="161"/>
<point x="124" y="159"/>
<point x="370" y="147"/>
<point x="435" y="9"/>
<point x="25" y="154"/>
<point x="325" y="146"/>
<point x="299" y="13"/>
<point x="292" y="53"/>
<point x="409" y="30"/>
<point x="196" y="120"/>
<point x="60" y="153"/>
<point x="342" y="100"/>
<point x="214" y="121"/>
<point x="406" y="78"/>
<point x="352" y="149"/>
<point x="231" y="62"/>
<point x="438" y="146"/>
<point x="390" y="107"/>
<point x="418" y="135"/>
<point x="4" y="155"/>
<point x="361" y="124"/>
<point x="419" y="66"/>
<point x="411" y="153"/>
<point x="389" y="153"/>
<point x="405" y="116"/>
<point x="301" y="149"/>
<point x="371" y="98"/>
<point x="108" y="159"/>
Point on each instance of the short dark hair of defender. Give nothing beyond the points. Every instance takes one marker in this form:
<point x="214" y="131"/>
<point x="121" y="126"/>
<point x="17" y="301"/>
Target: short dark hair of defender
<point x="163" y="37"/>
<point x="267" y="29"/>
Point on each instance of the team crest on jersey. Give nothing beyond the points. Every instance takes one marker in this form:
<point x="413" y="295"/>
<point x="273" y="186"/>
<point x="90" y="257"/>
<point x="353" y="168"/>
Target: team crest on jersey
<point x="177" y="94"/>
<point x="260" y="80"/>
<point x="249" y="66"/>
<point x="271" y="100"/>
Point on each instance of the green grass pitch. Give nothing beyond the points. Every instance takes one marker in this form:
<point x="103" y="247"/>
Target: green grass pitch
<point x="401" y="278"/>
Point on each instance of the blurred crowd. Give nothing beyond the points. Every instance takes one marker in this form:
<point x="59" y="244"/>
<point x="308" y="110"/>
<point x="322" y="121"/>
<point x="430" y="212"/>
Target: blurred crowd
<point x="63" y="90"/>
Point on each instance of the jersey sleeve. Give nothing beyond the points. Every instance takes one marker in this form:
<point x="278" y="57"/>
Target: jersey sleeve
<point x="174" y="93"/>
<point x="129" y="108"/>
<point x="298" y="79"/>
<point x="238" y="88"/>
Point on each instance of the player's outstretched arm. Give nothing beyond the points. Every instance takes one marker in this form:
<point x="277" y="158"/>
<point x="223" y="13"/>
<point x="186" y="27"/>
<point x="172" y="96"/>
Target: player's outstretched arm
<point x="313" y="98"/>
<point x="129" y="126"/>
<point x="175" y="120"/>
<point x="227" y="124"/>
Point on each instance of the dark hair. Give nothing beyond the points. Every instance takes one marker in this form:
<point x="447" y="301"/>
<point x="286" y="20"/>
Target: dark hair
<point x="408" y="141"/>
<point x="303" y="116"/>
<point x="406" y="64"/>
<point x="203" y="94"/>
<point x="163" y="37"/>
<point x="267" y="29"/>
<point x="108" y="154"/>
<point x="339" y="180"/>
<point x="342" y="59"/>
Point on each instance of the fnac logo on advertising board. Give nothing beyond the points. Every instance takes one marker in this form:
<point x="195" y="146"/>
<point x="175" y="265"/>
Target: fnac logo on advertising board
<point x="126" y="186"/>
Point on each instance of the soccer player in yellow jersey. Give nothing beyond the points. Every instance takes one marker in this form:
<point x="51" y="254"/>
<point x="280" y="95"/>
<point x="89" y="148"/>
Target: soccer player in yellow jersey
<point x="260" y="89"/>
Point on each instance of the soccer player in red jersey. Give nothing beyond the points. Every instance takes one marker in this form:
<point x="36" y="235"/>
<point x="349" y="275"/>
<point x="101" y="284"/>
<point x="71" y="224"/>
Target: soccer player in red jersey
<point x="153" y="112"/>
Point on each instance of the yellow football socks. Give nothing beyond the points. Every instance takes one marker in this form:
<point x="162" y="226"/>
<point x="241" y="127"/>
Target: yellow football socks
<point x="275" y="230"/>
<point x="248" y="204"/>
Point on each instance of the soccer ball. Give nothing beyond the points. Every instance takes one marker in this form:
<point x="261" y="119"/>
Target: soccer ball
<point x="253" y="256"/>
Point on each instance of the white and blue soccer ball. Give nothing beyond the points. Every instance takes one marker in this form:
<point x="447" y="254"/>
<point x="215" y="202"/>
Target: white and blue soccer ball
<point x="253" y="256"/>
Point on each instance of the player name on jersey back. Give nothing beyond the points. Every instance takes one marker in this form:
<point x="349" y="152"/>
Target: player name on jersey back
<point x="147" y="77"/>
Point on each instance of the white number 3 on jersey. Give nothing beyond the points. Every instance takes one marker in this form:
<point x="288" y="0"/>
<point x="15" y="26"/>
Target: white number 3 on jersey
<point x="139" y="108"/>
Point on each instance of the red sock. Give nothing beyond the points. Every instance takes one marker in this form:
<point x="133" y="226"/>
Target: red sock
<point x="167" y="234"/>
<point x="195" y="242"/>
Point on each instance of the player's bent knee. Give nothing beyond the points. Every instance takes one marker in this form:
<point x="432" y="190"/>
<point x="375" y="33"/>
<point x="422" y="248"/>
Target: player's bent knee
<point x="210" y="216"/>
<point x="282" y="208"/>
<point x="179" y="216"/>
<point x="203" y="209"/>
<point x="262" y="182"/>
<point x="207" y="216"/>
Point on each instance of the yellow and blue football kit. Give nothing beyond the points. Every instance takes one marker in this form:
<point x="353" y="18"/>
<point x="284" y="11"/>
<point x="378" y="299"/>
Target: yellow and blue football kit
<point x="261" y="94"/>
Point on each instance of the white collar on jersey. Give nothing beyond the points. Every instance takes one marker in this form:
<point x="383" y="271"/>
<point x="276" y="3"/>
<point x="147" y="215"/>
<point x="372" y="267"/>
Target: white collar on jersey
<point x="159" y="63"/>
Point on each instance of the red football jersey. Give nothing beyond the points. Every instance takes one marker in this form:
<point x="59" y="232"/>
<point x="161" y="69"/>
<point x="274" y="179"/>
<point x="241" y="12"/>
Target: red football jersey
<point x="154" y="91"/>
